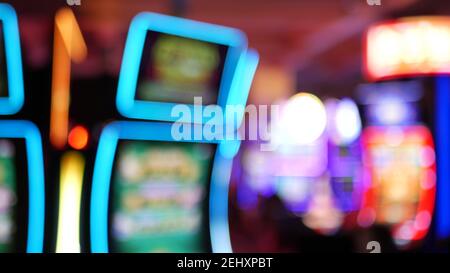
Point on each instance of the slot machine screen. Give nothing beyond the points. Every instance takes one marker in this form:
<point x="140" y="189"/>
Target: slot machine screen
<point x="3" y="71"/>
<point x="401" y="170"/>
<point x="160" y="197"/>
<point x="13" y="201"/>
<point x="177" y="69"/>
<point x="347" y="174"/>
<point x="399" y="160"/>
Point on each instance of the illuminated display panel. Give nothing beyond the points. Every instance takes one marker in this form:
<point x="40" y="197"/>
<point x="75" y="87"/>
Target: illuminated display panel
<point x="255" y="171"/>
<point x="401" y="172"/>
<point x="296" y="169"/>
<point x="8" y="196"/>
<point x="177" y="69"/>
<point x="3" y="71"/>
<point x="289" y="172"/>
<point x="344" y="153"/>
<point x="199" y="39"/>
<point x="159" y="197"/>
<point x="409" y="46"/>
<point x="13" y="196"/>
<point x="309" y="160"/>
<point x="393" y="103"/>
<point x="345" y="166"/>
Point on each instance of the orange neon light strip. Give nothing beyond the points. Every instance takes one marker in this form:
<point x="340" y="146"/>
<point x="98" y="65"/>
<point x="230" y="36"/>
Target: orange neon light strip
<point x="68" y="45"/>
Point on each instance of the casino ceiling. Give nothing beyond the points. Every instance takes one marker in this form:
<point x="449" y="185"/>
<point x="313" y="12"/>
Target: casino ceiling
<point x="319" y="40"/>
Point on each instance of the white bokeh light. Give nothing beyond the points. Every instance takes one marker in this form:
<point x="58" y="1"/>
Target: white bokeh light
<point x="303" y="120"/>
<point x="348" y="121"/>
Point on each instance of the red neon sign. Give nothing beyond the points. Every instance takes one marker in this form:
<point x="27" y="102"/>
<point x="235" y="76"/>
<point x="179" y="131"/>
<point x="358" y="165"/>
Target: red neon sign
<point x="411" y="46"/>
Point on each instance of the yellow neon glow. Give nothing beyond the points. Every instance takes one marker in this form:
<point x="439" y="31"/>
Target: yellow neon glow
<point x="408" y="46"/>
<point x="68" y="45"/>
<point x="72" y="171"/>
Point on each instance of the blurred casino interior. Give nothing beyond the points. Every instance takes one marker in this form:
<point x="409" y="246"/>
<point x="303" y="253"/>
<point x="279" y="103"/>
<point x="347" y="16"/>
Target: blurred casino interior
<point x="363" y="153"/>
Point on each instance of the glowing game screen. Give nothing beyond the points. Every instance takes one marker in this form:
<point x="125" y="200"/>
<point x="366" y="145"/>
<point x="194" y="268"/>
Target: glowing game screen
<point x="346" y="175"/>
<point x="289" y="172"/>
<point x="3" y="71"/>
<point x="159" y="197"/>
<point x="7" y="196"/>
<point x="401" y="165"/>
<point x="177" y="69"/>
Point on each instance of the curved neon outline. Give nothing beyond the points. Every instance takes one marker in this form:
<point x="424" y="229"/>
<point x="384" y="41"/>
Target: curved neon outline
<point x="156" y="131"/>
<point x="241" y="88"/>
<point x="234" y="68"/>
<point x="218" y="204"/>
<point x="12" y="104"/>
<point x="36" y="190"/>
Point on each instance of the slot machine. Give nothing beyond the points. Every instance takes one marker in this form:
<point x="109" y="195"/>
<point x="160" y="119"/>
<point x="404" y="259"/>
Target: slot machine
<point x="299" y="159"/>
<point x="306" y="184"/>
<point x="153" y="191"/>
<point x="293" y="158"/>
<point x="400" y="161"/>
<point x="22" y="192"/>
<point x="316" y="156"/>
<point x="324" y="177"/>
<point x="407" y="158"/>
<point x="345" y="156"/>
